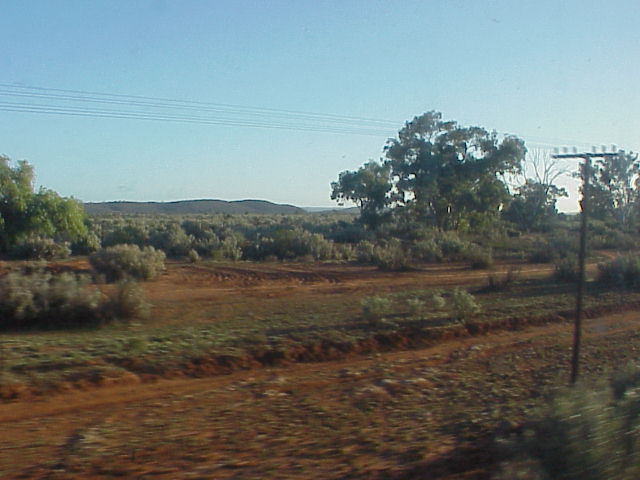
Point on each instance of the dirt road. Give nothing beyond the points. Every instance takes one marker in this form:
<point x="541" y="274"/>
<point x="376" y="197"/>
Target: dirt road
<point x="410" y="414"/>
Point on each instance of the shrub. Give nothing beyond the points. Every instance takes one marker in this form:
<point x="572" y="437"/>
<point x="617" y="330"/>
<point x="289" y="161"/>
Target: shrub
<point x="451" y="244"/>
<point x="566" y="270"/>
<point x="171" y="239"/>
<point x="230" y="249"/>
<point x="192" y="256"/>
<point x="365" y="251"/>
<point x="587" y="434"/>
<point x="42" y="299"/>
<point x="463" y="305"/>
<point x="295" y="243"/>
<point x="427" y="251"/>
<point x="374" y="309"/>
<point x="45" y="300"/>
<point x="344" y="252"/>
<point x="622" y="271"/>
<point x="131" y="234"/>
<point x="39" y="248"/>
<point x="128" y="261"/>
<point x="85" y="245"/>
<point x="415" y="306"/>
<point x="436" y="300"/>
<point x="390" y="256"/>
<point x="126" y="302"/>
<point x="480" y="258"/>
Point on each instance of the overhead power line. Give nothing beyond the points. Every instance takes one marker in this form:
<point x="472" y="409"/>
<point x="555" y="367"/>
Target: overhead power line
<point x="91" y="104"/>
<point x="156" y="108"/>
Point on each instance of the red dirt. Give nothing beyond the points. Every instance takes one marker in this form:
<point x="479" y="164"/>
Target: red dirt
<point x="399" y="406"/>
<point x="423" y="413"/>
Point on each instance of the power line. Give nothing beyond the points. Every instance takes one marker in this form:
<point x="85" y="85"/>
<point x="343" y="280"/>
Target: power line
<point x="139" y="107"/>
<point x="139" y="100"/>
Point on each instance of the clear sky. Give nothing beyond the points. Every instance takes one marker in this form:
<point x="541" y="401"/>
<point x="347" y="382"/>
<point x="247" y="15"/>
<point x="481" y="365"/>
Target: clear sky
<point x="553" y="72"/>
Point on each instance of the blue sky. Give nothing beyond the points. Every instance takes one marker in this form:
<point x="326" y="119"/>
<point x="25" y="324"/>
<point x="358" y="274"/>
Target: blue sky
<point x="554" y="73"/>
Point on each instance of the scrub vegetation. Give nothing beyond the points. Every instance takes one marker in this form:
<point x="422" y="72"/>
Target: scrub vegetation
<point x="444" y="248"/>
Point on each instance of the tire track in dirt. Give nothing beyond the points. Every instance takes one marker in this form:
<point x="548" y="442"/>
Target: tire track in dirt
<point x="55" y="435"/>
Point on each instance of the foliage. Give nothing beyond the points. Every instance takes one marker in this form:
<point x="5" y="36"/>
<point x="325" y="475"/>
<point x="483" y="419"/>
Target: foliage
<point x="480" y="258"/>
<point x="375" y="308"/>
<point x="566" y="270"/>
<point x="463" y="305"/>
<point x="369" y="188"/>
<point x="427" y="250"/>
<point x="128" y="261"/>
<point x="45" y="300"/>
<point x="171" y="239"/>
<point x="554" y="247"/>
<point x="445" y="172"/>
<point x="49" y="301"/>
<point x="588" y="434"/>
<point x="415" y="306"/>
<point x="533" y="207"/>
<point x="390" y="256"/>
<point x="193" y="256"/>
<point x="24" y="212"/>
<point x="39" y="248"/>
<point x="614" y="188"/>
<point x="365" y="251"/>
<point x="126" y="302"/>
<point x="436" y="300"/>
<point x="291" y="243"/>
<point x="622" y="271"/>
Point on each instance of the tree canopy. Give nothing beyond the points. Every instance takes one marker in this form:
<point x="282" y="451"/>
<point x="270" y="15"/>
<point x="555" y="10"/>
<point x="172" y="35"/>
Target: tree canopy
<point x="614" y="188"/>
<point x="438" y="173"/>
<point x="24" y="212"/>
<point x="369" y="188"/>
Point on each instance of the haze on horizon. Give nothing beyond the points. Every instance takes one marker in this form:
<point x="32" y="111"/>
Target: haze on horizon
<point x="272" y="100"/>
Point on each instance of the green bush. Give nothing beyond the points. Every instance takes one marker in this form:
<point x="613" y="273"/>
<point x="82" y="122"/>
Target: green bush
<point x="541" y="253"/>
<point x="45" y="300"/>
<point x="566" y="270"/>
<point x="415" y="306"/>
<point x="85" y="245"/>
<point x="427" y="250"/>
<point x="623" y="271"/>
<point x="451" y="244"/>
<point x="374" y="309"/>
<point x="365" y="252"/>
<point x="391" y="256"/>
<point x="39" y="248"/>
<point x="436" y="300"/>
<point x="193" y="256"/>
<point x="128" y="261"/>
<point x="463" y="305"/>
<point x="480" y="258"/>
<point x="171" y="239"/>
<point x="126" y="302"/>
<point x="585" y="434"/>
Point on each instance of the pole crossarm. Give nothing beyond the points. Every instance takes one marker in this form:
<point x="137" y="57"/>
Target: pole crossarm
<point x="585" y="155"/>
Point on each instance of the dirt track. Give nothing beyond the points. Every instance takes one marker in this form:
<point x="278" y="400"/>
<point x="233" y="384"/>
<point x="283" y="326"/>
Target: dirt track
<point x="411" y="414"/>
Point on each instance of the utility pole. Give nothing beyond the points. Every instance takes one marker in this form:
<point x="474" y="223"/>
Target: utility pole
<point x="582" y="255"/>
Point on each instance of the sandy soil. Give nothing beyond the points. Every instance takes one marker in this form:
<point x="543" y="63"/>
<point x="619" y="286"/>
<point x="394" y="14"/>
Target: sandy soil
<point x="429" y="413"/>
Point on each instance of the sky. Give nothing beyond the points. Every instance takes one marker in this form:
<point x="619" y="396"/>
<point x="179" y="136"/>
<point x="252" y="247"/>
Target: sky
<point x="223" y="81"/>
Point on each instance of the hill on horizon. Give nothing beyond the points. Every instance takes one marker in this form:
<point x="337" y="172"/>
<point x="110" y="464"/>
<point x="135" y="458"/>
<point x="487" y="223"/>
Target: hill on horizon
<point x="191" y="207"/>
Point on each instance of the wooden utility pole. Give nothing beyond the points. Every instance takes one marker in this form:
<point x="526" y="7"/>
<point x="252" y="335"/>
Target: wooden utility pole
<point x="582" y="255"/>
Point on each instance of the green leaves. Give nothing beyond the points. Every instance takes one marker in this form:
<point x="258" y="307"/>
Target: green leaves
<point x="450" y="171"/>
<point x="45" y="213"/>
<point x="369" y="187"/>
